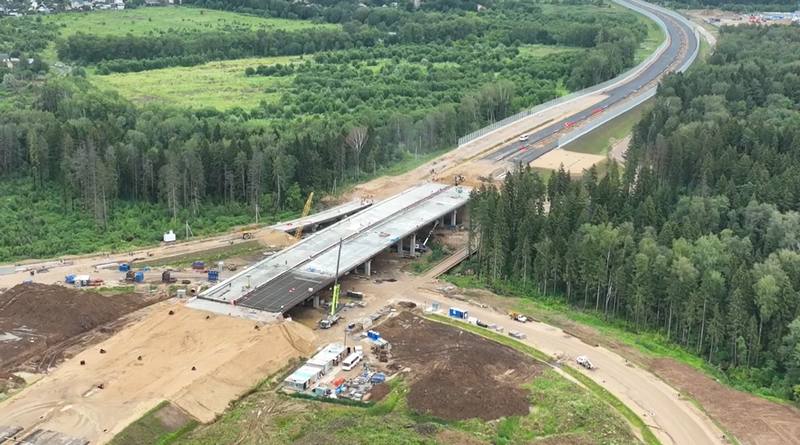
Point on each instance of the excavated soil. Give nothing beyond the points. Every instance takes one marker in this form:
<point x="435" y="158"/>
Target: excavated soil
<point x="751" y="419"/>
<point x="458" y="375"/>
<point x="38" y="320"/>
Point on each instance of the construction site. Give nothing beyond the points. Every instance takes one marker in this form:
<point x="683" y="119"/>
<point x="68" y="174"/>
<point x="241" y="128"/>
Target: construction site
<point x="344" y="308"/>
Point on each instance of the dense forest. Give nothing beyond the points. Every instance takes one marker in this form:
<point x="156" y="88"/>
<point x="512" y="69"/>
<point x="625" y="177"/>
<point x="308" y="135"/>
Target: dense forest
<point x="698" y="237"/>
<point x="90" y="161"/>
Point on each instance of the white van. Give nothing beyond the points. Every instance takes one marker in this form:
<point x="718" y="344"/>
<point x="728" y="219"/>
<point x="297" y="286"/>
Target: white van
<point x="352" y="360"/>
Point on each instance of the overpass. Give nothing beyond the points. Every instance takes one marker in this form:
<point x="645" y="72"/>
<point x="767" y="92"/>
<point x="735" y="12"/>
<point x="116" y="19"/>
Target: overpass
<point x="315" y="221"/>
<point x="298" y="273"/>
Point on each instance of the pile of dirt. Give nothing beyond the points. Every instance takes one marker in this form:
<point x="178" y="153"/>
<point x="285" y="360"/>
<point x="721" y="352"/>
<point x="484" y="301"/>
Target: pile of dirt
<point x="456" y="374"/>
<point x="751" y="419"/>
<point x="35" y="317"/>
<point x="379" y="391"/>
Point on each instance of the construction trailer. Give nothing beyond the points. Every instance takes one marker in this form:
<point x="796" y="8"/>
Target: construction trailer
<point x="303" y="378"/>
<point x="458" y="313"/>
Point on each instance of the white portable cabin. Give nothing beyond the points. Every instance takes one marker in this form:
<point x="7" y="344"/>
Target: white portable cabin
<point x="170" y="237"/>
<point x="303" y="378"/>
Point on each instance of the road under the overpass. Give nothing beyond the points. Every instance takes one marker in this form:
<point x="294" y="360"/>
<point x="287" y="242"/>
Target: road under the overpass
<point x="296" y="274"/>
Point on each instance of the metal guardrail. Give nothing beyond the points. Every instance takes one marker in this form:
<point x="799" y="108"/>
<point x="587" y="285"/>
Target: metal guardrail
<point x="572" y="96"/>
<point x="608" y="116"/>
<point x="629" y="105"/>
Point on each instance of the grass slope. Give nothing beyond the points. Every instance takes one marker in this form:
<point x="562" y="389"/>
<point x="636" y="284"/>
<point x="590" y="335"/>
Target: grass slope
<point x="220" y="84"/>
<point x="143" y="21"/>
<point x="599" y="141"/>
<point x="655" y="35"/>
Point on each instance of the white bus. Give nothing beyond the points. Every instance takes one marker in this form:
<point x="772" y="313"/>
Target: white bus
<point x="351" y="361"/>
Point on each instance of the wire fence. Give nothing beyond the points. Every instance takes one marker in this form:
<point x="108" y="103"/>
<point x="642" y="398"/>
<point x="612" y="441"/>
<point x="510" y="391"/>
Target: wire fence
<point x="572" y="96"/>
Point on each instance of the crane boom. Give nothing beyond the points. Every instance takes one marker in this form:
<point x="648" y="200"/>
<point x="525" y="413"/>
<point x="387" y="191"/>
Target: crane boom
<point x="306" y="210"/>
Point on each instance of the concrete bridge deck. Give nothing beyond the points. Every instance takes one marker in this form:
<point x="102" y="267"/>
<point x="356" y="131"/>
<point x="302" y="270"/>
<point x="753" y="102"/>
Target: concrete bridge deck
<point x="297" y="273"/>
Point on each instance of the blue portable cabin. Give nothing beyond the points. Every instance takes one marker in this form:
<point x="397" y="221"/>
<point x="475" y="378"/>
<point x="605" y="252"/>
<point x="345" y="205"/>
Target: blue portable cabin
<point x="139" y="277"/>
<point x="373" y="335"/>
<point x="70" y="279"/>
<point x="458" y="313"/>
<point x="378" y="377"/>
<point x="124" y="267"/>
<point x="213" y="275"/>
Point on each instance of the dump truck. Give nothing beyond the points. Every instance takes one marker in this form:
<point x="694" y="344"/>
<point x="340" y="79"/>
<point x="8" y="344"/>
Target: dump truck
<point x="584" y="361"/>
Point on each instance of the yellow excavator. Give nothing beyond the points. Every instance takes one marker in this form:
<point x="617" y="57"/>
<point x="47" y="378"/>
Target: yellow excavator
<point x="298" y="233"/>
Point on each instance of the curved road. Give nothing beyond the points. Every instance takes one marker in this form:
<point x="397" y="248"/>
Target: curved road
<point x="682" y="45"/>
<point x="673" y="419"/>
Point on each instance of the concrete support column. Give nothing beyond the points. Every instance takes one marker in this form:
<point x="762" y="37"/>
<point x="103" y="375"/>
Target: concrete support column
<point x="400" y="245"/>
<point x="413" y="247"/>
<point x="455" y="217"/>
<point x="316" y="301"/>
<point x="368" y="268"/>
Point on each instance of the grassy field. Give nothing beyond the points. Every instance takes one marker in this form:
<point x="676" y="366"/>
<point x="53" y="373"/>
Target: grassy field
<point x="221" y="84"/>
<point x="144" y="21"/>
<point x="599" y="141"/>
<point x="544" y="50"/>
<point x="160" y="426"/>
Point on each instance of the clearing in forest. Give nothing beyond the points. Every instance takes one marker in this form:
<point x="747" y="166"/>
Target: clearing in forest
<point x="218" y="84"/>
<point x="143" y="21"/>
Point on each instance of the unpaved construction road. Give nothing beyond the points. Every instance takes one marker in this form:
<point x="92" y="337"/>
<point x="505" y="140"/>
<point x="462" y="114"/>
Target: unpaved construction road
<point x="672" y="418"/>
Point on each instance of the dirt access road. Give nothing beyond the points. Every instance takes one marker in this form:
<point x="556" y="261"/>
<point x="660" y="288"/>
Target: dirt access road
<point x="673" y="419"/>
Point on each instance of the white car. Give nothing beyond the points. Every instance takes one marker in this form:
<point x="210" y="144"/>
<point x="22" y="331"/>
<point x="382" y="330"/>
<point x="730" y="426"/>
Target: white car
<point x="584" y="361"/>
<point x="523" y="138"/>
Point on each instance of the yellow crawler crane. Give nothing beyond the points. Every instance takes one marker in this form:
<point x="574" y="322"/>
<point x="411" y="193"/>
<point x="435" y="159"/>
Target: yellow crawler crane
<point x="306" y="210"/>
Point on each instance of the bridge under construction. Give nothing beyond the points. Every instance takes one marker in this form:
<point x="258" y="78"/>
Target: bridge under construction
<point x="298" y="273"/>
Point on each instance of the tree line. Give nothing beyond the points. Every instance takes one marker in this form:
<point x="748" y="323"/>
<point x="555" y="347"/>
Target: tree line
<point x="699" y="237"/>
<point x="86" y="155"/>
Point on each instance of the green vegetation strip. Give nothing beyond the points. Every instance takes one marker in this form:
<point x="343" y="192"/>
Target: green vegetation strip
<point x="599" y="141"/>
<point x="590" y="384"/>
<point x="150" y="429"/>
<point x="209" y="256"/>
